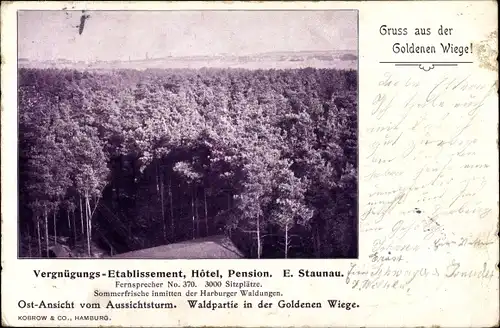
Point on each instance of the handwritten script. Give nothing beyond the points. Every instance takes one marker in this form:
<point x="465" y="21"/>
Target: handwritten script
<point x="428" y="202"/>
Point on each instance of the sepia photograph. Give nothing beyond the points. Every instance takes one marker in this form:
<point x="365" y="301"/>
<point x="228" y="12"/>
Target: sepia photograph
<point x="197" y="134"/>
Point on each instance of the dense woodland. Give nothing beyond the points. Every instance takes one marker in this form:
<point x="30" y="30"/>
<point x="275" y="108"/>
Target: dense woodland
<point x="123" y="160"/>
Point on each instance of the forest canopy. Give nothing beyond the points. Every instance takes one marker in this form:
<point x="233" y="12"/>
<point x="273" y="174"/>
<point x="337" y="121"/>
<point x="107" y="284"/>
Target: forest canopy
<point x="123" y="160"/>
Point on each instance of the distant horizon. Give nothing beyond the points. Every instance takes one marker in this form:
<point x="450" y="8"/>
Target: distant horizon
<point x="195" y="55"/>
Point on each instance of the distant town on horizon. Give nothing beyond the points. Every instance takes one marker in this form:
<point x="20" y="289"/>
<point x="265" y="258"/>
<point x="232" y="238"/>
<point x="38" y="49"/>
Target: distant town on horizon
<point x="342" y="59"/>
<point x="217" y="55"/>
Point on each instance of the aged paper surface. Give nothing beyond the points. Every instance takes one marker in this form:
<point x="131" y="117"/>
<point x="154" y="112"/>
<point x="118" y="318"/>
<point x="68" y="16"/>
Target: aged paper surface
<point x="427" y="167"/>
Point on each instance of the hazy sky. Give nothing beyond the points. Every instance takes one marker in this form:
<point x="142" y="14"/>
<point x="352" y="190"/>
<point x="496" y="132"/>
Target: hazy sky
<point x="110" y="35"/>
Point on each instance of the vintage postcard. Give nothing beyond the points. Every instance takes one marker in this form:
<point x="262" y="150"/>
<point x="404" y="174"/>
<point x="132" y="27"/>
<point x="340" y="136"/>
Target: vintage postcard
<point x="250" y="164"/>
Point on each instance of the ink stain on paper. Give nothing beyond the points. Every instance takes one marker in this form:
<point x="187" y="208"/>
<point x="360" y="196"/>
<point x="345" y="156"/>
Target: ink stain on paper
<point x="83" y="18"/>
<point x="487" y="53"/>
